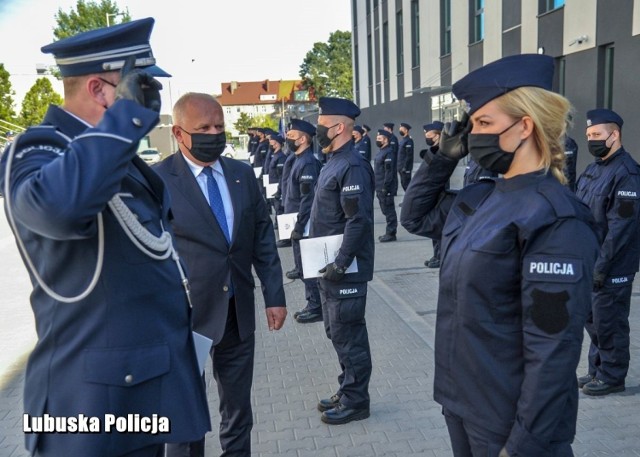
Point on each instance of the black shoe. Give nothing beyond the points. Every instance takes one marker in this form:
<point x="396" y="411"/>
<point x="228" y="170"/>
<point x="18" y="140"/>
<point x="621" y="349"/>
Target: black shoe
<point x="309" y="317"/>
<point x="342" y="414"/>
<point x="598" y="387"/>
<point x="586" y="379"/>
<point x="386" y="238"/>
<point x="293" y="274"/>
<point x="302" y="311"/>
<point x="434" y="263"/>
<point x="283" y="243"/>
<point x="329" y="403"/>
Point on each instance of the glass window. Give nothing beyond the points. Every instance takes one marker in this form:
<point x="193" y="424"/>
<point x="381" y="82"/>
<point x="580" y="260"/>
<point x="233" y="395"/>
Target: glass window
<point x="445" y="27"/>
<point x="477" y="33"/>
<point x="608" y="77"/>
<point x="415" y="33"/>
<point x="550" y="5"/>
<point x="399" y="43"/>
<point x="369" y="60"/>
<point x="385" y="51"/>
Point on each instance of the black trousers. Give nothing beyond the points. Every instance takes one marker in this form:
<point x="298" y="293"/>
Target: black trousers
<point x="311" y="292"/>
<point x="608" y="327"/>
<point x="436" y="247"/>
<point x="388" y="208"/>
<point x="345" y="326"/>
<point x="233" y="371"/>
<point x="405" y="179"/>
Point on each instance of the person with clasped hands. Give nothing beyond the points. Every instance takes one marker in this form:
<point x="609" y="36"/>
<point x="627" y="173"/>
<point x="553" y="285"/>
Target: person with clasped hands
<point x="92" y="222"/>
<point x="517" y="266"/>
<point x="222" y="229"/>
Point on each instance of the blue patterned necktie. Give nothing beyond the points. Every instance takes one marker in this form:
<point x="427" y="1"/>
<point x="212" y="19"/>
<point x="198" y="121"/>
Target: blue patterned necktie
<point x="215" y="202"/>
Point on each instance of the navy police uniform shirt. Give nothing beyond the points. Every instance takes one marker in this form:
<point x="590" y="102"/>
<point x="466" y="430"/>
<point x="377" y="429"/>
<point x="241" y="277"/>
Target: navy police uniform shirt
<point x="611" y="188"/>
<point x="276" y="165"/>
<point x="284" y="178"/>
<point x="300" y="187"/>
<point x="262" y="149"/>
<point x="344" y="205"/>
<point x="364" y="148"/>
<point x="126" y="347"/>
<point x="385" y="167"/>
<point x="515" y="280"/>
<point x="405" y="154"/>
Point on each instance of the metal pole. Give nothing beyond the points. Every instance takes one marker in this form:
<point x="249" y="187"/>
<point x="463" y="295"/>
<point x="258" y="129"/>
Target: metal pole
<point x="107" y="19"/>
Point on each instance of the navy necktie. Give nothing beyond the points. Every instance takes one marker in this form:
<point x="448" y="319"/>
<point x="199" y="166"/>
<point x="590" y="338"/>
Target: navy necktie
<point x="215" y="202"/>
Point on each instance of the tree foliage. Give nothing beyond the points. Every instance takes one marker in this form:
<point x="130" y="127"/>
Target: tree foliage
<point x="7" y="112"/>
<point x="88" y="16"/>
<point x="327" y="68"/>
<point x="36" y="102"/>
<point x="243" y="123"/>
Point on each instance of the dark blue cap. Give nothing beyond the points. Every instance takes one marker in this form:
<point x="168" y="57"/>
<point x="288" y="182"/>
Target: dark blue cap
<point x="365" y="126"/>
<point x="329" y="106"/>
<point x="10" y="133"/>
<point x="261" y="130"/>
<point x="603" y="116"/>
<point x="106" y="49"/>
<point x="405" y="125"/>
<point x="277" y="138"/>
<point x="497" y="78"/>
<point x="303" y="126"/>
<point x="389" y="125"/>
<point x="384" y="133"/>
<point x="359" y="129"/>
<point x="435" y="125"/>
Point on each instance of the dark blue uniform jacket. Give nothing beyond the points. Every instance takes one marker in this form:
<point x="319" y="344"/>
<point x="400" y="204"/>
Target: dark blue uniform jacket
<point x="127" y="347"/>
<point x="611" y="188"/>
<point x="344" y="205"/>
<point x="276" y="164"/>
<point x="364" y="148"/>
<point x="515" y="290"/>
<point x="262" y="149"/>
<point x="385" y="166"/>
<point x="300" y="188"/>
<point x="405" y="154"/>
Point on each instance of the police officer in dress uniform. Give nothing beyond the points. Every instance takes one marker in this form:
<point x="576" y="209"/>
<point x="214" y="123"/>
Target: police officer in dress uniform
<point x="362" y="146"/>
<point x="385" y="166"/>
<point x="300" y="191"/>
<point x="611" y="188"/>
<point x="343" y="205"/>
<point x="91" y="220"/>
<point x="405" y="155"/>
<point x="516" y="273"/>
<point x="393" y="141"/>
<point x="366" y="138"/>
<point x="282" y="192"/>
<point x="276" y="164"/>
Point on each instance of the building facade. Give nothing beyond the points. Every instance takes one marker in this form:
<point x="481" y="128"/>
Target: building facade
<point x="407" y="53"/>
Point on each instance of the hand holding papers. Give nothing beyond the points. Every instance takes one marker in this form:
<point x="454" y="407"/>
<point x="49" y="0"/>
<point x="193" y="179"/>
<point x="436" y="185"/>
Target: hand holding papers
<point x="286" y="223"/>
<point x="317" y="253"/>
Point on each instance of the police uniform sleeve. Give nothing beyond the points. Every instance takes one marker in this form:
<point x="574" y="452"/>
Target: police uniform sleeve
<point x="556" y="285"/>
<point x="622" y="221"/>
<point x="58" y="185"/>
<point x="307" y="182"/>
<point x="426" y="203"/>
<point x="407" y="166"/>
<point x="356" y="200"/>
<point x="388" y="171"/>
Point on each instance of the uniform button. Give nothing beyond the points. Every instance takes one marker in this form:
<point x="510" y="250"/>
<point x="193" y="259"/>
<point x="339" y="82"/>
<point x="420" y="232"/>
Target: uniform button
<point x="137" y="122"/>
<point x="225" y="288"/>
<point x="128" y="379"/>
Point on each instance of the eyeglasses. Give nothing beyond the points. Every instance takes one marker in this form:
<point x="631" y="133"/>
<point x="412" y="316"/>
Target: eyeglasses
<point x="107" y="82"/>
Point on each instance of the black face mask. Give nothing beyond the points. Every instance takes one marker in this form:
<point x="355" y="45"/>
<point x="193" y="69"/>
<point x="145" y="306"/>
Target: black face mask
<point x="485" y="149"/>
<point x="207" y="147"/>
<point x="322" y="136"/>
<point x="430" y="142"/>
<point x="599" y="148"/>
<point x="291" y="145"/>
<point x="379" y="144"/>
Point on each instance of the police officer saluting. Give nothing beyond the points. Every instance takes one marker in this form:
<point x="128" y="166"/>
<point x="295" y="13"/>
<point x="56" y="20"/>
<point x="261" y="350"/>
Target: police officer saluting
<point x="344" y="205"/>
<point x="386" y="183"/>
<point x="91" y="220"/>
<point x="611" y="188"/>
<point x="516" y="271"/>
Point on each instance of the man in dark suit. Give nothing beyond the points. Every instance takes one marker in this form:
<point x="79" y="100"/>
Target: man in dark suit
<point x="92" y="222"/>
<point x="222" y="229"/>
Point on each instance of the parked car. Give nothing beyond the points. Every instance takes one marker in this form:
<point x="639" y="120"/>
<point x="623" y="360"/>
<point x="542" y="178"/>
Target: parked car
<point x="150" y="156"/>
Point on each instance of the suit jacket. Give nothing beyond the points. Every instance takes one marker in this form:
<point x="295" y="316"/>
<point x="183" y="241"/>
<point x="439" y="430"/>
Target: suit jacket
<point x="211" y="262"/>
<point x="127" y="347"/>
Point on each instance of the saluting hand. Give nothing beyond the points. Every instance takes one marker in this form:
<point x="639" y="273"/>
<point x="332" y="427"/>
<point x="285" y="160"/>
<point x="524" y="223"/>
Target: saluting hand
<point x="453" y="140"/>
<point x="138" y="86"/>
<point x="276" y="316"/>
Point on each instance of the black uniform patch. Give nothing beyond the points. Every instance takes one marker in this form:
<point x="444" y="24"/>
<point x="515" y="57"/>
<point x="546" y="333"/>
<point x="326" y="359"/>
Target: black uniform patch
<point x="351" y="206"/>
<point x="305" y="187"/>
<point x="625" y="208"/>
<point x="549" y="311"/>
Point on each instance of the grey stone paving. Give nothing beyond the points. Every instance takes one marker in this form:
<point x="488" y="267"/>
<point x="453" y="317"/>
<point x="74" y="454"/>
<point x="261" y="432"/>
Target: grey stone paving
<point x="297" y="366"/>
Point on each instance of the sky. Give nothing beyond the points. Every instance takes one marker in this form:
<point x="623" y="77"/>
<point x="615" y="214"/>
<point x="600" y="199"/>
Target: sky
<point x="202" y="43"/>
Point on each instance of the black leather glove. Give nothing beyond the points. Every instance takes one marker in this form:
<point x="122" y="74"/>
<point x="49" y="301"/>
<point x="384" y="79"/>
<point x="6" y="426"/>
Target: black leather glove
<point x="332" y="272"/>
<point x="139" y="86"/>
<point x="598" y="280"/>
<point x="453" y="140"/>
<point x="295" y="236"/>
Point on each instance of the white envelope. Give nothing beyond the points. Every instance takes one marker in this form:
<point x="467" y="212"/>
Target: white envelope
<point x="202" y="345"/>
<point x="286" y="223"/>
<point x="317" y="252"/>
<point x="257" y="171"/>
<point x="272" y="189"/>
<point x="265" y="180"/>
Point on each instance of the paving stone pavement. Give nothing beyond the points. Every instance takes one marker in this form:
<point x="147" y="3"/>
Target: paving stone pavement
<point x="297" y="366"/>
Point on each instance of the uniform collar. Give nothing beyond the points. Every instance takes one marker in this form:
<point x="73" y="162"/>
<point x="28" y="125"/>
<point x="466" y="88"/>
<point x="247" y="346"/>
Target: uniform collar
<point x="521" y="181"/>
<point x="611" y="158"/>
<point x="68" y="123"/>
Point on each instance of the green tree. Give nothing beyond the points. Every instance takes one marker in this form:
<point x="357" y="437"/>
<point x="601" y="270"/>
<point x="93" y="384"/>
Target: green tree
<point x="243" y="123"/>
<point x="88" y="16"/>
<point x="265" y="121"/>
<point x="7" y="112"/>
<point x="36" y="102"/>
<point x="327" y="69"/>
